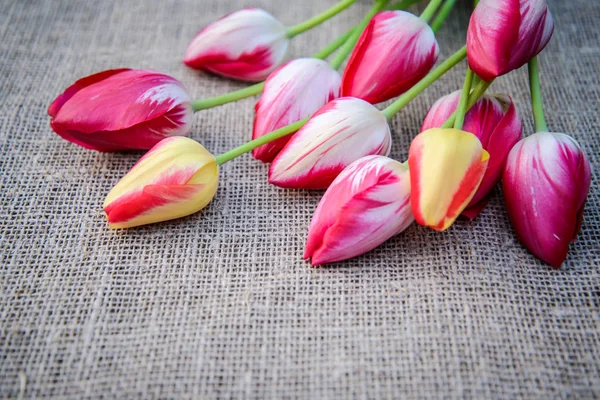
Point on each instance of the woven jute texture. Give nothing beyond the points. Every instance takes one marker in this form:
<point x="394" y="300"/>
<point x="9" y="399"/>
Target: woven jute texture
<point x="221" y="304"/>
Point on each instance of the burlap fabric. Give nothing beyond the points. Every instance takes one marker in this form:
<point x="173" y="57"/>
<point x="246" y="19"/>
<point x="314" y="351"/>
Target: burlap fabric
<point x="220" y="304"/>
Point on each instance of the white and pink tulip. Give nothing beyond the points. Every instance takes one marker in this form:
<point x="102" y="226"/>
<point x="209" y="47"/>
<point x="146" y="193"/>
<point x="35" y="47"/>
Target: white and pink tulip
<point x="394" y="52"/>
<point x="247" y="45"/>
<point x="545" y="184"/>
<point x="368" y="203"/>
<point x="340" y="133"/>
<point x="292" y="92"/>
<point x="122" y="109"/>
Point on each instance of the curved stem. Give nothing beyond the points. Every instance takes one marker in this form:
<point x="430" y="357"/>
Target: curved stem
<point x="402" y="5"/>
<point x="536" y="96"/>
<point x="318" y="19"/>
<point x="475" y="95"/>
<point x="269" y="137"/>
<point x="464" y="99"/>
<point x="333" y="46"/>
<point x="424" y="83"/>
<point x="431" y="8"/>
<point x="203" y="104"/>
<point x="347" y="48"/>
<point x="442" y="15"/>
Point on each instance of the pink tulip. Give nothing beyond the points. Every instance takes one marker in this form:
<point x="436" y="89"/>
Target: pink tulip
<point x="122" y="109"/>
<point x="394" y="52"/>
<point x="368" y="203"/>
<point x="292" y="92"/>
<point x="340" y="133"/>
<point x="504" y="35"/>
<point x="496" y="123"/>
<point x="545" y="184"/>
<point x="247" y="44"/>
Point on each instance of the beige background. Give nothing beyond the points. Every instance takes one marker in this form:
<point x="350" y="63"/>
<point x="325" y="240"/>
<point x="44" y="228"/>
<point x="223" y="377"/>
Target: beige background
<point x="221" y="304"/>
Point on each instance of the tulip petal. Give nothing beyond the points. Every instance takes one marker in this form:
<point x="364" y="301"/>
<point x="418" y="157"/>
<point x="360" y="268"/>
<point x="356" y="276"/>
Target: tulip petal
<point x="130" y="109"/>
<point x="177" y="177"/>
<point x="446" y="168"/>
<point x="294" y="91"/>
<point x="368" y="203"/>
<point x="247" y="44"/>
<point x="78" y="85"/>
<point x="503" y="35"/>
<point x="545" y="184"/>
<point x="340" y="133"/>
<point x="394" y="52"/>
<point x="495" y="122"/>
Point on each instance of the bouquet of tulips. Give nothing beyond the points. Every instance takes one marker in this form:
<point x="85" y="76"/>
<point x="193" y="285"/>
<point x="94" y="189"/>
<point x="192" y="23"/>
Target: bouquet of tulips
<point x="319" y="128"/>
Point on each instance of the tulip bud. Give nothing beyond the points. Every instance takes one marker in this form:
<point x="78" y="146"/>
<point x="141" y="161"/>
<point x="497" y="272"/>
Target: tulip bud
<point x="545" y="185"/>
<point x="177" y="177"/>
<point x="446" y="167"/>
<point x="340" y="133"/>
<point x="504" y="35"/>
<point x="496" y="123"/>
<point x="368" y="203"/>
<point x="292" y="92"/>
<point x="394" y="52"/>
<point x="122" y="109"/>
<point x="247" y="44"/>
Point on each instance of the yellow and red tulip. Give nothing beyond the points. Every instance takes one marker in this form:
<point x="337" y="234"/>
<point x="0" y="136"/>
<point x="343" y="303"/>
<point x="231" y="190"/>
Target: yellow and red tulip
<point x="177" y="177"/>
<point x="496" y="123"/>
<point x="446" y="167"/>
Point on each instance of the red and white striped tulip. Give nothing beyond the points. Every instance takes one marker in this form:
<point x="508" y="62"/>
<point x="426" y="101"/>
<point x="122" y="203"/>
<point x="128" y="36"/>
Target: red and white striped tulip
<point x="122" y="109"/>
<point x="545" y="184"/>
<point x="292" y="92"/>
<point x="177" y="177"/>
<point x="394" y="52"/>
<point x="446" y="167"/>
<point x="247" y="45"/>
<point x="368" y="203"/>
<point x="340" y="133"/>
<point x="497" y="125"/>
<point x="504" y="35"/>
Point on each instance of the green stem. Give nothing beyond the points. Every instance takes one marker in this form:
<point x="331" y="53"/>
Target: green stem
<point x="333" y="46"/>
<point x="475" y="95"/>
<point x="318" y="19"/>
<point x="402" y="5"/>
<point x="424" y="83"/>
<point x="464" y="100"/>
<point x="442" y="15"/>
<point x="269" y="137"/>
<point x="347" y="48"/>
<point x="203" y="104"/>
<point x="431" y="8"/>
<point x="536" y="96"/>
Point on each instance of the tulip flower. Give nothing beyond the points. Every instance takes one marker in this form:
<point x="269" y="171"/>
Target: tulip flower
<point x="545" y="185"/>
<point x="340" y="133"/>
<point x="292" y="92"/>
<point x="504" y="35"/>
<point x="177" y="177"/>
<point x="446" y="167"/>
<point x="368" y="203"/>
<point x="496" y="123"/>
<point x="122" y="109"/>
<point x="247" y="45"/>
<point x="394" y="52"/>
